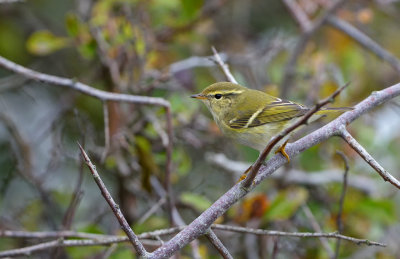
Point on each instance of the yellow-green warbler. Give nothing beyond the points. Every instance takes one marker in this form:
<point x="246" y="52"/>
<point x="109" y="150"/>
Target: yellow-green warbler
<point x="252" y="117"/>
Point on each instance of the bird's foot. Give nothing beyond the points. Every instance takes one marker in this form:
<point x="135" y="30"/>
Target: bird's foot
<point x="281" y="150"/>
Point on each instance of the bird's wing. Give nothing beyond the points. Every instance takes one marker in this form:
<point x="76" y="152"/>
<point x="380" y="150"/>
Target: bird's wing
<point x="278" y="110"/>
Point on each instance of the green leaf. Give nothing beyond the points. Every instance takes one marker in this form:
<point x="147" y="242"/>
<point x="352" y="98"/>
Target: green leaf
<point x="72" y="24"/>
<point x="378" y="210"/>
<point x="123" y="252"/>
<point x="191" y="7"/>
<point x="44" y="43"/>
<point x="198" y="201"/>
<point x="286" y="204"/>
<point x="88" y="49"/>
<point x="152" y="223"/>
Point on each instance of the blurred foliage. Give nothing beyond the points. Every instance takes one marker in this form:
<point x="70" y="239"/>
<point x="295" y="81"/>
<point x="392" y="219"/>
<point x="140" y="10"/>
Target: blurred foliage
<point x="149" y="48"/>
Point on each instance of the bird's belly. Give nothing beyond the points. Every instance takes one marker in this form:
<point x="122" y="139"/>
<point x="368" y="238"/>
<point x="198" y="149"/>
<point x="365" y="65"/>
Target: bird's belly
<point x="255" y="137"/>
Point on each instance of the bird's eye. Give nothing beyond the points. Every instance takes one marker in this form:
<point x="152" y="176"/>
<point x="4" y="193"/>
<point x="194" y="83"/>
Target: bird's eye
<point x="218" y="96"/>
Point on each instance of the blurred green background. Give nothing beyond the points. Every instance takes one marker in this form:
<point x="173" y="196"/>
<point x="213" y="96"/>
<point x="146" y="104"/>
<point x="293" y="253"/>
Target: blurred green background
<point x="162" y="48"/>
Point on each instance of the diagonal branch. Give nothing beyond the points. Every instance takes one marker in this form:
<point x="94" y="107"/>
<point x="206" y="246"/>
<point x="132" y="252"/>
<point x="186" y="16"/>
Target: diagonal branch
<point x="365" y="41"/>
<point x="114" y="207"/>
<point x="216" y="242"/>
<point x="368" y="158"/>
<point x="224" y="67"/>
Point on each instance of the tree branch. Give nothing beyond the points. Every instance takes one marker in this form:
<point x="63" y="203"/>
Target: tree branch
<point x="224" y="67"/>
<point x="368" y="158"/>
<point x="114" y="207"/>
<point x="263" y="232"/>
<point x="364" y="41"/>
<point x="212" y="237"/>
<point x="90" y="239"/>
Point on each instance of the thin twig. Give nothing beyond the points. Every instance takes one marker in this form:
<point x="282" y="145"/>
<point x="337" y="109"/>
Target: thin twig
<point x="365" y="41"/>
<point x="11" y="1"/>
<point x="263" y="232"/>
<point x="216" y="242"/>
<point x="86" y="89"/>
<point x="339" y="222"/>
<point x="168" y="166"/>
<point x="114" y="207"/>
<point x="100" y="240"/>
<point x="152" y="210"/>
<point x="224" y="67"/>
<point x="274" y="140"/>
<point x="368" y="158"/>
<point x="106" y="119"/>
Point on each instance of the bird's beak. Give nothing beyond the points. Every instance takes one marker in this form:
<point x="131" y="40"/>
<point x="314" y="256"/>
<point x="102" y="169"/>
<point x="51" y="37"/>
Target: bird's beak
<point x="198" y="96"/>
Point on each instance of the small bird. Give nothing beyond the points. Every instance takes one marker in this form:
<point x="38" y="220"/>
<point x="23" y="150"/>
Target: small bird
<point x="252" y="117"/>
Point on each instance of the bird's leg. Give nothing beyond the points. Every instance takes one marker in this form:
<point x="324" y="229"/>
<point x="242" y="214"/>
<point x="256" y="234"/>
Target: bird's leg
<point x="281" y="150"/>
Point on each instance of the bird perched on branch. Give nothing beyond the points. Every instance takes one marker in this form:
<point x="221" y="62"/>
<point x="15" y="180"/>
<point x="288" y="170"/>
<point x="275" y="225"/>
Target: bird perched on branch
<point x="252" y="117"/>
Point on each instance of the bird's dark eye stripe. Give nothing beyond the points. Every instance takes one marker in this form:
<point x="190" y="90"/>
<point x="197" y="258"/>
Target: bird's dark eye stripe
<point x="218" y="96"/>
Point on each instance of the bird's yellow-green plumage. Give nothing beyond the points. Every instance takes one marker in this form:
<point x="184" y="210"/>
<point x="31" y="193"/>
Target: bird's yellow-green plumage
<point x="250" y="116"/>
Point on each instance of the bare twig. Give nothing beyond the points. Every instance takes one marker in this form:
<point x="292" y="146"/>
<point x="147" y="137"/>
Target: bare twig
<point x="216" y="242"/>
<point x="90" y="239"/>
<point x="224" y="66"/>
<point x="152" y="210"/>
<point x="86" y="89"/>
<point x="368" y="158"/>
<point x="115" y="208"/>
<point x="263" y="232"/>
<point x="274" y="140"/>
<point x="365" y="41"/>
<point x="168" y="166"/>
<point x="339" y="222"/>
<point x="106" y="131"/>
<point x="11" y="1"/>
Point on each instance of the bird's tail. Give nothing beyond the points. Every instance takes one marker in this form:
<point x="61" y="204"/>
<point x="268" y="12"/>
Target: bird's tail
<point x="325" y="111"/>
